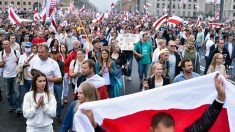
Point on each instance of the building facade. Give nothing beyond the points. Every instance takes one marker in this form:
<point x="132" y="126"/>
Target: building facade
<point x="22" y="4"/>
<point x="177" y="8"/>
<point x="229" y="9"/>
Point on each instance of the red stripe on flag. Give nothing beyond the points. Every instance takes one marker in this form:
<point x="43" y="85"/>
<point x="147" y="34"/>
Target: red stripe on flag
<point x="13" y="17"/>
<point x="174" y="21"/>
<point x="103" y="92"/>
<point x="165" y="17"/>
<point x="140" y="121"/>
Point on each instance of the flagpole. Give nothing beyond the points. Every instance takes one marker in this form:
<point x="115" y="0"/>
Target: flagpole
<point x="81" y="24"/>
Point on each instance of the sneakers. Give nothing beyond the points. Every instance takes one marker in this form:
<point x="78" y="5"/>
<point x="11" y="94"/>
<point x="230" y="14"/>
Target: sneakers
<point x="129" y="78"/>
<point x="19" y="111"/>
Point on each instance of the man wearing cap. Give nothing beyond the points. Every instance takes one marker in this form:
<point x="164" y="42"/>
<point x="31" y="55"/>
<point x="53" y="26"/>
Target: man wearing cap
<point x="144" y="50"/>
<point x="25" y="60"/>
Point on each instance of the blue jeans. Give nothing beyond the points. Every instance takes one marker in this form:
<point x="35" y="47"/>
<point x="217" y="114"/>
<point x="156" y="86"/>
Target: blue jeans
<point x="27" y="86"/>
<point x="199" y="48"/>
<point x="12" y="92"/>
<point x="143" y="70"/>
<point x="129" y="57"/>
<point x="58" y="94"/>
<point x="65" y="85"/>
<point x="110" y="91"/>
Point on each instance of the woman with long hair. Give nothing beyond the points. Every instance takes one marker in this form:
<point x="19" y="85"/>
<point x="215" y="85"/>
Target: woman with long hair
<point x="106" y="68"/>
<point x="54" y="44"/>
<point x="119" y="59"/>
<point x="62" y="56"/>
<point x="157" y="79"/>
<point x="39" y="105"/>
<point x="87" y="92"/>
<point x="75" y="67"/>
<point x="217" y="64"/>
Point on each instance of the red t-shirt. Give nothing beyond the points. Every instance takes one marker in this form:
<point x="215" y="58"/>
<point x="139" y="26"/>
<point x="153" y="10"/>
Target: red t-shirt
<point x="38" y="41"/>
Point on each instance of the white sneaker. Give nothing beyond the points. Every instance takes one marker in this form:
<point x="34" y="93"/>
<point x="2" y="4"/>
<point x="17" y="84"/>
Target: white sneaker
<point x="129" y="78"/>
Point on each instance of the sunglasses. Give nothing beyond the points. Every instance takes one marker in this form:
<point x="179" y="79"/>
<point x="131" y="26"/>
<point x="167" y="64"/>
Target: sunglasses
<point x="173" y="46"/>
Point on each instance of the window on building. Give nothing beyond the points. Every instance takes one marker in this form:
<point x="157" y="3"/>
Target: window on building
<point x="234" y="14"/>
<point x="12" y="3"/>
<point x="233" y="6"/>
<point x="29" y="3"/>
<point x="183" y="13"/>
<point x="158" y="5"/>
<point x="189" y="15"/>
<point x="189" y="0"/>
<point x="184" y="6"/>
<point x="24" y="3"/>
<point x="18" y="3"/>
<point x="178" y="13"/>
<point x="6" y="3"/>
<point x="189" y="6"/>
<point x="163" y="5"/>
<point x="173" y="6"/>
<point x="0" y="2"/>
<point x="195" y="0"/>
<point x="194" y="14"/>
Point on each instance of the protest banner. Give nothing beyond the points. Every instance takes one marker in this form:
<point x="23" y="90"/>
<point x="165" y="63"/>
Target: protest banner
<point x="127" y="41"/>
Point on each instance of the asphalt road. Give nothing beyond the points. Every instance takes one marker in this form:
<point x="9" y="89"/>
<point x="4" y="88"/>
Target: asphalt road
<point x="11" y="122"/>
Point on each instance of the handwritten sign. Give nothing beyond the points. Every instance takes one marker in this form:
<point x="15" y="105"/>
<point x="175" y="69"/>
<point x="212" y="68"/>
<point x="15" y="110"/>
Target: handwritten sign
<point x="127" y="41"/>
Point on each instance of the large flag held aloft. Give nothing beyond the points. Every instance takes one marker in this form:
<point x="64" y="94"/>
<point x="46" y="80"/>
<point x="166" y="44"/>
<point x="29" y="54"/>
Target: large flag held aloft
<point x="159" y="22"/>
<point x="13" y="17"/>
<point x="185" y="101"/>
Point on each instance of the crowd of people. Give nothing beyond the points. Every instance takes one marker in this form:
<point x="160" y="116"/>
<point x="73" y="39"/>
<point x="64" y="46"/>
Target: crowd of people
<point x="42" y="65"/>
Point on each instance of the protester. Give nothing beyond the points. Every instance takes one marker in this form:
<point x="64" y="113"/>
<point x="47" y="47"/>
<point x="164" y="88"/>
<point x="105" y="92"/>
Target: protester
<point x="188" y="73"/>
<point x="144" y="50"/>
<point x="87" y="92"/>
<point x="39" y="105"/>
<point x="96" y="52"/>
<point x="39" y="39"/>
<point x="8" y="61"/>
<point x="106" y="68"/>
<point x="157" y="79"/>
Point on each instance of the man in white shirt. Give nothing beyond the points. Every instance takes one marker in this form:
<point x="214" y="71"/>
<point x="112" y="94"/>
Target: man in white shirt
<point x="47" y="66"/>
<point x="209" y="43"/>
<point x="14" y="45"/>
<point x="8" y="61"/>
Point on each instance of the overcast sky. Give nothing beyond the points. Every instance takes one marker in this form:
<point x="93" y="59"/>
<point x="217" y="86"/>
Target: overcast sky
<point x="103" y="5"/>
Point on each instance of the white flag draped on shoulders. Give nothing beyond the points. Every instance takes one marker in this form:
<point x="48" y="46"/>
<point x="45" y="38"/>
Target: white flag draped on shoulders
<point x="185" y="101"/>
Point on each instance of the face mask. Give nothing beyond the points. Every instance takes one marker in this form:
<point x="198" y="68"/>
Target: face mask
<point x="27" y="50"/>
<point x="70" y="34"/>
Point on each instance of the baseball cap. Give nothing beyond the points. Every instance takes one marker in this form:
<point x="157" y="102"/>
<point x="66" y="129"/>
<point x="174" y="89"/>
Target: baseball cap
<point x="28" y="44"/>
<point x="163" y="51"/>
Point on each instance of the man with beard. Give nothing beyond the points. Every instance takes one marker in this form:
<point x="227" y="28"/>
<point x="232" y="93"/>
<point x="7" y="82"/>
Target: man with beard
<point x="190" y="53"/>
<point x="187" y="73"/>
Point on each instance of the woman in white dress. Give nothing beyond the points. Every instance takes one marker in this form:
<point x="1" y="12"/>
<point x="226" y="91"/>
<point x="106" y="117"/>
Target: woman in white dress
<point x="39" y="106"/>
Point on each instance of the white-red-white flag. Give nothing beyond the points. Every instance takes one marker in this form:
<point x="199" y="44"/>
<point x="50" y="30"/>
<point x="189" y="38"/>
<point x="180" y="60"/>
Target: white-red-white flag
<point x="43" y="14"/>
<point x="36" y="16"/>
<point x="126" y="15"/>
<point x="98" y="20"/>
<point x="159" y="22"/>
<point x="214" y="2"/>
<point x="217" y="14"/>
<point x="82" y="10"/>
<point x="175" y="20"/>
<point x="112" y="5"/>
<point x="146" y="6"/>
<point x="213" y="25"/>
<point x="198" y="23"/>
<point x="185" y="101"/>
<point x="13" y="17"/>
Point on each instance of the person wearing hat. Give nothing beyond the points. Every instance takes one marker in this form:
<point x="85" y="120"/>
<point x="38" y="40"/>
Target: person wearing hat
<point x="25" y="60"/>
<point x="164" y="60"/>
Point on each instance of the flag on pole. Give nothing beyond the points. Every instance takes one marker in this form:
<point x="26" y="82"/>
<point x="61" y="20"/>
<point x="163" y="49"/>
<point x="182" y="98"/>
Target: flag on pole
<point x="175" y="20"/>
<point x="213" y="25"/>
<point x="185" y="101"/>
<point x="217" y="14"/>
<point x="112" y="6"/>
<point x="214" y="2"/>
<point x="82" y="10"/>
<point x="159" y="22"/>
<point x="146" y="6"/>
<point x="36" y="16"/>
<point x="13" y="17"/>
<point x="198" y="23"/>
